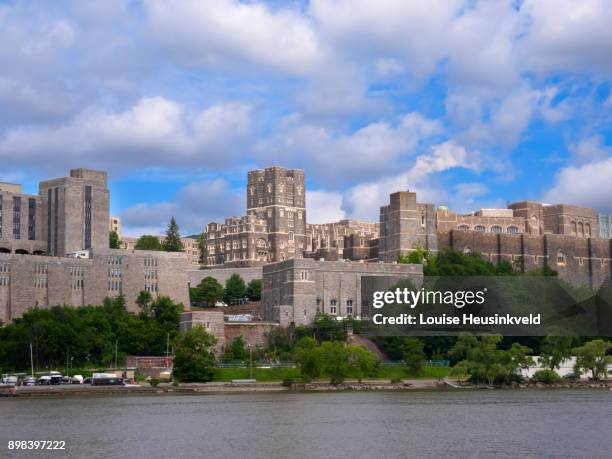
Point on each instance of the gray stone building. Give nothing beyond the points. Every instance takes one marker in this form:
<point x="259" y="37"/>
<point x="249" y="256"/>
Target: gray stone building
<point x="295" y="290"/>
<point x="28" y="281"/>
<point x="329" y="240"/>
<point x="21" y="221"/>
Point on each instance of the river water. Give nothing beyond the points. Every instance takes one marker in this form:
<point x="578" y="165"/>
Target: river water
<point x="520" y="423"/>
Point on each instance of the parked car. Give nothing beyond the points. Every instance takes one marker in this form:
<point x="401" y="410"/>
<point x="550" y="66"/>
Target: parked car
<point x="44" y="380"/>
<point x="77" y="379"/>
<point x="87" y="381"/>
<point x="220" y="304"/>
<point x="29" y="381"/>
<point x="10" y="380"/>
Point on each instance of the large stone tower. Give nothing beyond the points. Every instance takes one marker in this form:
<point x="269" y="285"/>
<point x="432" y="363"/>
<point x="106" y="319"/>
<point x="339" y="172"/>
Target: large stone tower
<point x="75" y="212"/>
<point x="278" y="196"/>
<point x="406" y="225"/>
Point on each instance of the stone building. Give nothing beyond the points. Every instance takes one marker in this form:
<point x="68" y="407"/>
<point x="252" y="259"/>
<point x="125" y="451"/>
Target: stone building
<point x="75" y="212"/>
<point x="405" y="225"/>
<point x="21" y="221"/>
<point x="328" y="240"/>
<point x="295" y="290"/>
<point x="191" y="247"/>
<point x="115" y="225"/>
<point x="605" y="226"/>
<point x="28" y="281"/>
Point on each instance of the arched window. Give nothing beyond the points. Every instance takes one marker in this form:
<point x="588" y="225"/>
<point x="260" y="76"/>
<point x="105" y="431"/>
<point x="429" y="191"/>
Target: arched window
<point x="463" y="228"/>
<point x="512" y="230"/>
<point x="574" y="228"/>
<point x="496" y="229"/>
<point x="480" y="228"/>
<point x="587" y="230"/>
<point x="580" y="232"/>
<point x="561" y="260"/>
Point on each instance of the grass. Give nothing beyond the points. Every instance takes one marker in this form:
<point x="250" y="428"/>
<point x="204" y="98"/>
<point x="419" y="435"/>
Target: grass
<point x="279" y="374"/>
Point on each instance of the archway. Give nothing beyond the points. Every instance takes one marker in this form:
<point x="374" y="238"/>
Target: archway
<point x="22" y="252"/>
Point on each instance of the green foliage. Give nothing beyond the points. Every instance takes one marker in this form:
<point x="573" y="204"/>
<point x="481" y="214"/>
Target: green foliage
<point x="208" y="291"/>
<point x="235" y="288"/>
<point x="413" y="355"/>
<point x="415" y="257"/>
<point x="148" y="242"/>
<point x="194" y="360"/>
<point x="554" y="350"/>
<point x="279" y="345"/>
<point x="546" y="377"/>
<point x="237" y="350"/>
<point x="253" y="290"/>
<point x="455" y="263"/>
<point x="154" y="382"/>
<point x="362" y="362"/>
<point x="484" y="362"/>
<point x="143" y="301"/>
<point x="113" y="240"/>
<point x="172" y="242"/>
<point x="335" y="357"/>
<point x="592" y="356"/>
<point x="308" y="358"/>
<point x="88" y="334"/>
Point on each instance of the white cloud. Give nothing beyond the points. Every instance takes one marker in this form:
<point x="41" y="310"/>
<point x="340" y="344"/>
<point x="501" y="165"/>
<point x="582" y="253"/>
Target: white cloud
<point x="363" y="201"/>
<point x="324" y="206"/>
<point x="590" y="149"/>
<point x="194" y="206"/>
<point x="374" y="148"/>
<point x="587" y="185"/>
<point x="219" y="33"/>
<point x="154" y="132"/>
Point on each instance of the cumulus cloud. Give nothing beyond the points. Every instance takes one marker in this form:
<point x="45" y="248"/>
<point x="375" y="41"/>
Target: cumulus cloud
<point x="194" y="206"/>
<point x="154" y="132"/>
<point x="363" y="201"/>
<point x="590" y="149"/>
<point x="324" y="206"/>
<point x="588" y="184"/>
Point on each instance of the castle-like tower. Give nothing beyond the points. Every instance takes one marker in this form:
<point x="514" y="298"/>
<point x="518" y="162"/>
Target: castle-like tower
<point x="277" y="195"/>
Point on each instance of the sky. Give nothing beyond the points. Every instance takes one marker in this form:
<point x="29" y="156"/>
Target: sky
<point x="469" y="103"/>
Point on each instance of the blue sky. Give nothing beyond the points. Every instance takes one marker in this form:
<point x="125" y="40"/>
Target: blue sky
<point x="470" y="103"/>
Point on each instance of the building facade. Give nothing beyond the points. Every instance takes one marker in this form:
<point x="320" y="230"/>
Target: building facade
<point x="21" y="221"/>
<point x="295" y="290"/>
<point x="115" y="225"/>
<point x="605" y="226"/>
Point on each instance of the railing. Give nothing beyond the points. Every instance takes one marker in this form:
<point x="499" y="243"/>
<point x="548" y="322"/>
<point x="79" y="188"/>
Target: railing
<point x="427" y="363"/>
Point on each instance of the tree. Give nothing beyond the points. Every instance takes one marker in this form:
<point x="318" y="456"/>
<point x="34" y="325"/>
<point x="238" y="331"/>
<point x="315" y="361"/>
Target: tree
<point x="237" y="350"/>
<point x="413" y="354"/>
<point x="307" y="356"/>
<point x="194" y="360"/>
<point x="554" y="350"/>
<point x="113" y="240"/>
<point x="362" y="362"/>
<point x="148" y="242"/>
<point x="335" y="355"/>
<point x="235" y="288"/>
<point x="172" y="242"/>
<point x="144" y="301"/>
<point x="209" y="291"/>
<point x="592" y="356"/>
<point x="253" y="290"/>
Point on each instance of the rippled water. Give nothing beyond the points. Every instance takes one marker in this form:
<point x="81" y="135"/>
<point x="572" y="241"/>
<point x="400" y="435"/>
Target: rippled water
<point x="539" y="423"/>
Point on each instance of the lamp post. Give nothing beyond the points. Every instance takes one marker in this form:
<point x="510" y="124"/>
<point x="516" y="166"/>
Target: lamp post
<point x="251" y="361"/>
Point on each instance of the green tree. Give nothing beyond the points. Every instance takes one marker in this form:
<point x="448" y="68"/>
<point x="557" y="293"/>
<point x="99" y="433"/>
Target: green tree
<point x="592" y="356"/>
<point x="362" y="362"/>
<point x="413" y="355"/>
<point x="113" y="240"/>
<point x="209" y="290"/>
<point x="194" y="359"/>
<point x="143" y="301"/>
<point x="253" y="290"/>
<point x="172" y="242"/>
<point x="554" y="350"/>
<point x="235" y="288"/>
<point x="148" y="242"/>
<point x="237" y="350"/>
<point x="307" y="356"/>
<point x="335" y="356"/>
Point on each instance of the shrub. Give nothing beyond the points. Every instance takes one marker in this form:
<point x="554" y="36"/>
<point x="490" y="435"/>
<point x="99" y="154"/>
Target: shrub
<point x="154" y="382"/>
<point x="546" y="377"/>
<point x="288" y="382"/>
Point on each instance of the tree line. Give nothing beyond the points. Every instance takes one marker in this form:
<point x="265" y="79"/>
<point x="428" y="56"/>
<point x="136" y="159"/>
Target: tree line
<point x="170" y="243"/>
<point x="209" y="290"/>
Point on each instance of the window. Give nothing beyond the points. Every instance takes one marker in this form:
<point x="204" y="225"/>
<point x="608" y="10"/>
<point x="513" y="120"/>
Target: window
<point x="16" y="217"/>
<point x="422" y="220"/>
<point x="87" y="244"/>
<point x="587" y="230"/>
<point x="512" y="230"/>
<point x="496" y="229"/>
<point x="333" y="307"/>
<point x="463" y="227"/>
<point x="349" y="307"/>
<point x="580" y="232"/>
<point x="561" y="258"/>
<point x="31" y="219"/>
<point x="574" y="228"/>
<point x="480" y="228"/>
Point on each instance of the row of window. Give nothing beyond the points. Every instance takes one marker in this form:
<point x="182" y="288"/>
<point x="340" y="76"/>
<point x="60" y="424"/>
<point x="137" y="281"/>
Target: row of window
<point x="150" y="262"/>
<point x="493" y="229"/>
<point x="114" y="260"/>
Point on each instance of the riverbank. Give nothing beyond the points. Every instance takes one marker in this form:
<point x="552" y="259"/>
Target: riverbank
<point x="317" y="386"/>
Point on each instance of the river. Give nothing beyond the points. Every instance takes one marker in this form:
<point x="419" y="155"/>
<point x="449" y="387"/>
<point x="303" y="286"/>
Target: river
<point x="428" y="424"/>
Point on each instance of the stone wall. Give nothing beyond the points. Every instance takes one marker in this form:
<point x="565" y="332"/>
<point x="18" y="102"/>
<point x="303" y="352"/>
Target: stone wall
<point x="254" y="333"/>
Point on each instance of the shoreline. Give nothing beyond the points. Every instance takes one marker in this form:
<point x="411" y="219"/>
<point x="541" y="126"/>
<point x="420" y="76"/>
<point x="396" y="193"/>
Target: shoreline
<point x="228" y="388"/>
